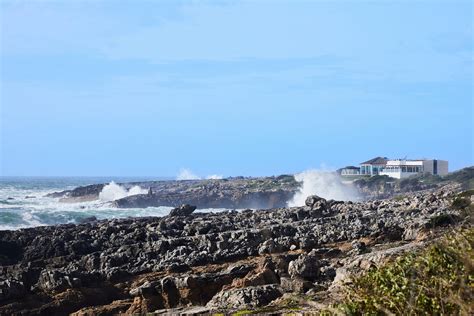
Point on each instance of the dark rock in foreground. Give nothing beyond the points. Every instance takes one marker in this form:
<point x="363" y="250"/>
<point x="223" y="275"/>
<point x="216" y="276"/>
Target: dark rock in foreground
<point x="209" y="262"/>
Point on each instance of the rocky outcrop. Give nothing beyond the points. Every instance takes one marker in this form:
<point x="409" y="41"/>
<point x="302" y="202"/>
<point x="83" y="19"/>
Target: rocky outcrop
<point x="209" y="262"/>
<point x="236" y="199"/>
<point x="239" y="193"/>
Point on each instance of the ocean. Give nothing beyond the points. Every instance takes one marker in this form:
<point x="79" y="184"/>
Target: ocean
<point x="23" y="202"/>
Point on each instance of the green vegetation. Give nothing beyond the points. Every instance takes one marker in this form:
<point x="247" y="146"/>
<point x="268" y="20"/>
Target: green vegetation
<point x="400" y="197"/>
<point x="464" y="176"/>
<point x="466" y="194"/>
<point x="286" y="178"/>
<point x="435" y="281"/>
<point x="461" y="203"/>
<point x="243" y="312"/>
<point x="374" y="182"/>
<point x="443" y="220"/>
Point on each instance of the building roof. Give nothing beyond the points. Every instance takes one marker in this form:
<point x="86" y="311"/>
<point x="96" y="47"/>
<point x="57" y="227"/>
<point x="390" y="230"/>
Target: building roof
<point x="351" y="167"/>
<point x="376" y="161"/>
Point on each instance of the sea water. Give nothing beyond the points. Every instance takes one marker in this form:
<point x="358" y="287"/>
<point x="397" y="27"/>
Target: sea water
<point x="23" y="202"/>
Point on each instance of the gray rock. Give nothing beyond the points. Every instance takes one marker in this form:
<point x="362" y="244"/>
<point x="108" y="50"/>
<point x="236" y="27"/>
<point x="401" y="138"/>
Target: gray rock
<point x="312" y="200"/>
<point x="183" y="210"/>
<point x="249" y="297"/>
<point x="305" y="267"/>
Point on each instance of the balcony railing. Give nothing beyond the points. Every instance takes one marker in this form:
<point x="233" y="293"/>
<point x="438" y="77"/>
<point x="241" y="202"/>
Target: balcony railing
<point x="402" y="169"/>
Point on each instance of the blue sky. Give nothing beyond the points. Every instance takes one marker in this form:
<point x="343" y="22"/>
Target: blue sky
<point x="145" y="88"/>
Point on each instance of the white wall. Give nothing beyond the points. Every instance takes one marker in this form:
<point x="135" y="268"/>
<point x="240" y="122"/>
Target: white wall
<point x="405" y="163"/>
<point x="398" y="174"/>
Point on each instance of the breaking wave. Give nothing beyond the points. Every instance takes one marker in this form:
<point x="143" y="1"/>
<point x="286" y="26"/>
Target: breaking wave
<point x="325" y="184"/>
<point x="215" y="177"/>
<point x="187" y="174"/>
<point x="113" y="191"/>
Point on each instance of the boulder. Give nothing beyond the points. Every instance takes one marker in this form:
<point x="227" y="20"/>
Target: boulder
<point x="249" y="297"/>
<point x="297" y="285"/>
<point x="183" y="210"/>
<point x="267" y="247"/>
<point x="312" y="200"/>
<point x="305" y="267"/>
<point x="57" y="281"/>
<point x="263" y="274"/>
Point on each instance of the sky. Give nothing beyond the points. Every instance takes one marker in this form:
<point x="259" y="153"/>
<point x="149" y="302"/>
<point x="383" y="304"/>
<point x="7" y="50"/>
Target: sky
<point x="158" y="88"/>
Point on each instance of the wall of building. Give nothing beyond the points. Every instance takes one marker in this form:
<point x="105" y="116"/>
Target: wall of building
<point x="442" y="167"/>
<point x="405" y="163"/>
<point x="428" y="166"/>
<point x="398" y="174"/>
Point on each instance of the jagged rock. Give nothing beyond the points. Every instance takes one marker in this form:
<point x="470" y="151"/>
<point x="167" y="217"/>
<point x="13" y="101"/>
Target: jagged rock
<point x="358" y="247"/>
<point x="56" y="281"/>
<point x="312" y="200"/>
<point x="297" y="285"/>
<point x="262" y="275"/>
<point x="305" y="267"/>
<point x="267" y="247"/>
<point x="183" y="210"/>
<point x="249" y="297"/>
<point x="170" y="292"/>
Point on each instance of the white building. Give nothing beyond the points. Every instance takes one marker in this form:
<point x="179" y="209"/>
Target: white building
<point x="403" y="168"/>
<point x="349" y="171"/>
<point x="373" y="166"/>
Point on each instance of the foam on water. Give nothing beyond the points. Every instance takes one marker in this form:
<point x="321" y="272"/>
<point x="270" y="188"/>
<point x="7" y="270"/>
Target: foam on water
<point x="24" y="204"/>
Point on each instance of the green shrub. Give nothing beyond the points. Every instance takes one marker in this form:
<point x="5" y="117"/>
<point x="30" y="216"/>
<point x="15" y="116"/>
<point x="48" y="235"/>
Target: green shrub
<point x="436" y="281"/>
<point x="464" y="176"/>
<point x="466" y="194"/>
<point x="443" y="220"/>
<point x="460" y="203"/>
<point x="400" y="197"/>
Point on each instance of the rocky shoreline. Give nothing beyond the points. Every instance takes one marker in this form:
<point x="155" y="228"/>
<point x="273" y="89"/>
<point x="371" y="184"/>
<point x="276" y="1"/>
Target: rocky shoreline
<point x="240" y="192"/>
<point x="256" y="193"/>
<point x="191" y="262"/>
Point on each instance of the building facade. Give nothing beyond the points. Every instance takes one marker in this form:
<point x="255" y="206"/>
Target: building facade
<point x="349" y="171"/>
<point x="402" y="168"/>
<point x="373" y="167"/>
<point x="397" y="168"/>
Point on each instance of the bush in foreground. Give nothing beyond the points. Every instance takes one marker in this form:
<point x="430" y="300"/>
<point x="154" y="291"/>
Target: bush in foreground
<point x="435" y="281"/>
